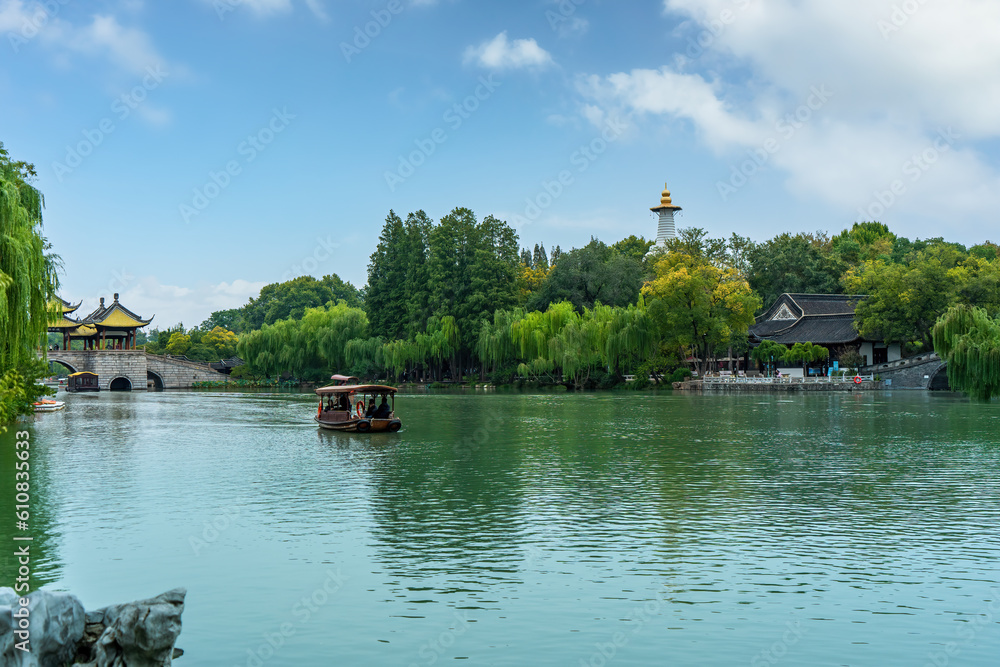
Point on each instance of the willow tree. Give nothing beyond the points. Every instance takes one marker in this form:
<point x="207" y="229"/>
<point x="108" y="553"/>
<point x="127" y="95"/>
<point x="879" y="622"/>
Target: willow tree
<point x="561" y="344"/>
<point x="968" y="339"/>
<point x="364" y="356"/>
<point x="28" y="283"/>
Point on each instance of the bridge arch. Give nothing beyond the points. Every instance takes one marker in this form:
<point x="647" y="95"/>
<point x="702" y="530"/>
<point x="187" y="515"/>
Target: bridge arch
<point x="120" y="383"/>
<point x="939" y="381"/>
<point x="62" y="363"/>
<point x="153" y="380"/>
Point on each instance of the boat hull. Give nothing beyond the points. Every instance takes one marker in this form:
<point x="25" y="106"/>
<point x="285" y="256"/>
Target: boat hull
<point x="361" y="425"/>
<point x="49" y="407"/>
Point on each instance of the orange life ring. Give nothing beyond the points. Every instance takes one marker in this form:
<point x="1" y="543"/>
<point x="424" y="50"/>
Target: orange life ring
<point x="319" y="411"/>
<point x="857" y="379"/>
<point x="361" y="409"/>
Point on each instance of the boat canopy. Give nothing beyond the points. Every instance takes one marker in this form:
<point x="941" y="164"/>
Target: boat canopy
<point x="73" y="375"/>
<point x="356" y="388"/>
<point x="344" y="379"/>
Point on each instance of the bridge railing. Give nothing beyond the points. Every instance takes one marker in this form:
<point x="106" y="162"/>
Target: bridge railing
<point x="908" y="362"/>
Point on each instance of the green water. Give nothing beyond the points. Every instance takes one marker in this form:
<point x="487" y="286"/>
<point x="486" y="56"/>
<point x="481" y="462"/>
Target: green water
<point x="514" y="529"/>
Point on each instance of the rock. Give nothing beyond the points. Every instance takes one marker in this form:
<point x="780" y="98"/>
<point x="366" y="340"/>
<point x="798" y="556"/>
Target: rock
<point x="55" y="626"/>
<point x="136" y="634"/>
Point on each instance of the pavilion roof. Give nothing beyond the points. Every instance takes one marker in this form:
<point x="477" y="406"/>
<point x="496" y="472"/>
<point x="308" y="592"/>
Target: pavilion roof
<point x="63" y="323"/>
<point x="58" y="310"/>
<point x="115" y="316"/>
<point x="83" y="331"/>
<point x="67" y="307"/>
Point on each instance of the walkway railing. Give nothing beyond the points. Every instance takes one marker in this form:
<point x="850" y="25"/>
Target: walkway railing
<point x="822" y="379"/>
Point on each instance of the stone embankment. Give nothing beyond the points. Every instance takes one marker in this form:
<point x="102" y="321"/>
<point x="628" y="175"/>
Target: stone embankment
<point x="53" y="630"/>
<point x="770" y="387"/>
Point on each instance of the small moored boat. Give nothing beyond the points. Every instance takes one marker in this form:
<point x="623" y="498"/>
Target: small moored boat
<point x="47" y="405"/>
<point x="355" y="408"/>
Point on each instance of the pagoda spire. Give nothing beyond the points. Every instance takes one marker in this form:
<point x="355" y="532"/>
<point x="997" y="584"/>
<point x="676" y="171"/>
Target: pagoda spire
<point x="665" y="230"/>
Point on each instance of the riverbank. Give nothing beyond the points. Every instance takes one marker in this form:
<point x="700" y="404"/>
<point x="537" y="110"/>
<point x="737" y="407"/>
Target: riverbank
<point x="769" y="385"/>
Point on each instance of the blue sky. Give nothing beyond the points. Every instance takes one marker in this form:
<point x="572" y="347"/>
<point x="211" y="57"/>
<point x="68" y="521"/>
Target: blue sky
<point x="192" y="151"/>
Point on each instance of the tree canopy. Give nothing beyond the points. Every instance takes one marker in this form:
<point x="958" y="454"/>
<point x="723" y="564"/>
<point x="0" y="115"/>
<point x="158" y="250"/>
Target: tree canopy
<point x="28" y="284"/>
<point x="594" y="274"/>
<point x="968" y="339"/>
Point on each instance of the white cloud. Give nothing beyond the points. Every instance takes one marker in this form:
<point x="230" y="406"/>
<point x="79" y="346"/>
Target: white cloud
<point x="317" y="8"/>
<point x="191" y="305"/>
<point x="896" y="79"/>
<point x="667" y="92"/>
<point x="499" y="53"/>
<point x="13" y="16"/>
<point x="264" y="8"/>
<point x="129" y="49"/>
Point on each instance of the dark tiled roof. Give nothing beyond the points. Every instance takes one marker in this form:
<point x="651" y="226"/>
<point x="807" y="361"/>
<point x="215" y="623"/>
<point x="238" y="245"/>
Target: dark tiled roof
<point x="821" y="319"/>
<point x="836" y="329"/>
<point x="231" y="362"/>
<point x="814" y="304"/>
<point x="827" y="304"/>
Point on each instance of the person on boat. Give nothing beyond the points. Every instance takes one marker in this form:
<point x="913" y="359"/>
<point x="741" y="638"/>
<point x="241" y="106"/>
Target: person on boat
<point x="383" y="410"/>
<point x="344" y="403"/>
<point x="371" y="409"/>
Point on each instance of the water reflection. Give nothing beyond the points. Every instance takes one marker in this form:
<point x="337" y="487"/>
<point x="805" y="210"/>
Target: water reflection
<point x="548" y="518"/>
<point x="46" y="566"/>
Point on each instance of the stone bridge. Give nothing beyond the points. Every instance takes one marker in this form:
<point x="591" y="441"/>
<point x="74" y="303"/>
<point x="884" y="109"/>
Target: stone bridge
<point x="925" y="371"/>
<point x="135" y="369"/>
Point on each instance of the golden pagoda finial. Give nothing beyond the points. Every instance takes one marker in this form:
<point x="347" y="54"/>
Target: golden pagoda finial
<point x="665" y="197"/>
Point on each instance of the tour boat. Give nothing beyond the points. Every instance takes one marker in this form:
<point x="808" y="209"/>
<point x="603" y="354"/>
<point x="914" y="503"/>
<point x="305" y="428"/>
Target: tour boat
<point x="46" y="405"/>
<point x="352" y="408"/>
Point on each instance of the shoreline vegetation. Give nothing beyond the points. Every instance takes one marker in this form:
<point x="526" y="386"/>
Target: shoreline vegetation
<point x="460" y="299"/>
<point x="457" y="299"/>
<point x="28" y="284"/>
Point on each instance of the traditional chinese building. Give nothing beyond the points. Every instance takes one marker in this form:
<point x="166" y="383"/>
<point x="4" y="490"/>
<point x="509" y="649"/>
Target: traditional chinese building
<point x="65" y="324"/>
<point x="821" y="319"/>
<point x="109" y="327"/>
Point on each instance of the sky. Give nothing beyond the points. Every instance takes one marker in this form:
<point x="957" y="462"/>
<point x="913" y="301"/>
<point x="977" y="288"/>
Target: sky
<point x="192" y="151"/>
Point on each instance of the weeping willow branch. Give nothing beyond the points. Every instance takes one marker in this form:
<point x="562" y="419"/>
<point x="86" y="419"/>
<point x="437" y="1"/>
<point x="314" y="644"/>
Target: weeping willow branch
<point x="968" y="339"/>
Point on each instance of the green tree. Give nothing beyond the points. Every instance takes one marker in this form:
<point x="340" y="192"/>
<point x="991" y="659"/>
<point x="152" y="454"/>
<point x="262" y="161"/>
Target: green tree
<point x="864" y="241"/>
<point x="28" y="284"/>
<point x="417" y="293"/>
<point x="792" y="264"/>
<point x="905" y="300"/>
<point x="968" y="339"/>
<point x="768" y="352"/>
<point x="231" y="320"/>
<point x="698" y="301"/>
<point x="309" y="348"/>
<point x="540" y="260"/>
<point x="634" y="247"/>
<point x="591" y="275"/>
<point x="221" y="341"/>
<point x="806" y="353"/>
<point x="178" y="344"/>
<point x="279" y="301"/>
<point x="385" y="295"/>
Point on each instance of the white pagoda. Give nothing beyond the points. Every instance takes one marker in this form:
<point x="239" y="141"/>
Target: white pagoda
<point x="665" y="230"/>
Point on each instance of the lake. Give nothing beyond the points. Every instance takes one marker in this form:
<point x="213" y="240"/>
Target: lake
<point x="532" y="529"/>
